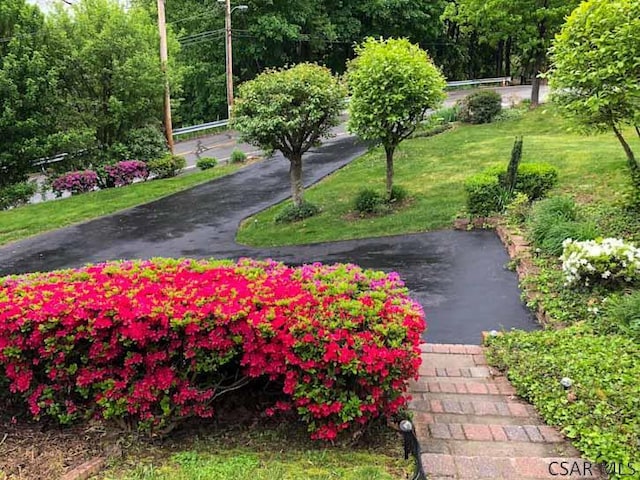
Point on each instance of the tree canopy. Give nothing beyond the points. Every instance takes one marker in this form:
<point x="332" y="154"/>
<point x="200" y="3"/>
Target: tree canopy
<point x="393" y="84"/>
<point x="290" y="110"/>
<point x="596" y="69"/>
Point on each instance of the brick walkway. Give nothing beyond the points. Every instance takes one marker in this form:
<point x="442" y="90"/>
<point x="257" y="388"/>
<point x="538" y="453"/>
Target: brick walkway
<point x="471" y="426"/>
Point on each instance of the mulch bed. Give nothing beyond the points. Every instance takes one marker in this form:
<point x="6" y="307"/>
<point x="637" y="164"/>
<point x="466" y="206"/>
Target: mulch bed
<point x="36" y="451"/>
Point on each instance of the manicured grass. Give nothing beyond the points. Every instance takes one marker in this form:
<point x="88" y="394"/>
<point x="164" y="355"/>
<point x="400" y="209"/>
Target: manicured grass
<point x="434" y="169"/>
<point x="30" y="220"/>
<point x="264" y="454"/>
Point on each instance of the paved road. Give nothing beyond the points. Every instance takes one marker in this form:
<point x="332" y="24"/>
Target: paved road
<point x="459" y="277"/>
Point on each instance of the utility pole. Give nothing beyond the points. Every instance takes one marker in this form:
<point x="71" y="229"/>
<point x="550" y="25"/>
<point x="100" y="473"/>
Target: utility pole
<point x="229" y="56"/>
<point x="164" y="59"/>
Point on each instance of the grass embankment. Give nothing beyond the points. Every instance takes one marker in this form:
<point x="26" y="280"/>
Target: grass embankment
<point x="433" y="171"/>
<point x="30" y="220"/>
<point x="263" y="454"/>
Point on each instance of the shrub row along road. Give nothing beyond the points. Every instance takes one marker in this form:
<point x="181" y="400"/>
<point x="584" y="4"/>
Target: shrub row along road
<point x="459" y="277"/>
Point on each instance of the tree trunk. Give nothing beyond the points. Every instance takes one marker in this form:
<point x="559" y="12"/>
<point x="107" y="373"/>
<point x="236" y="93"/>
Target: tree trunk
<point x="389" y="151"/>
<point x="631" y="159"/>
<point x="295" y="173"/>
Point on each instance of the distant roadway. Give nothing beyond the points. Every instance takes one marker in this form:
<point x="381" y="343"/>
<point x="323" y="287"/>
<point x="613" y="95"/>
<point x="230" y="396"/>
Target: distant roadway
<point x="221" y="145"/>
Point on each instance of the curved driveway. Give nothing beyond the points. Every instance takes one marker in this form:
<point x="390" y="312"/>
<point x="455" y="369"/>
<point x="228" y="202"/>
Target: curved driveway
<point x="459" y="277"/>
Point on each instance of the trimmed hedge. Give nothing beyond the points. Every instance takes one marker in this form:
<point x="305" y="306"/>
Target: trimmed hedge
<point x="154" y="342"/>
<point x="486" y="191"/>
<point x="534" y="179"/>
<point x="480" y="107"/>
<point x="167" y="166"/>
<point x="484" y="195"/>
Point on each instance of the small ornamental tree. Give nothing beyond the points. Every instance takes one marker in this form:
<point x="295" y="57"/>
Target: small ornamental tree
<point x="289" y="110"/>
<point x="393" y="84"/>
<point x="596" y="70"/>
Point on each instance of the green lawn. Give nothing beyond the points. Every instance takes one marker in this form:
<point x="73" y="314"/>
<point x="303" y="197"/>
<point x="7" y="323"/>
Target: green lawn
<point x="434" y="169"/>
<point x="260" y="453"/>
<point x="30" y="220"/>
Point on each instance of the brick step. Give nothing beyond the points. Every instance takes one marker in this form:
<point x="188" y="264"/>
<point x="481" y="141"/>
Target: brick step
<point x="427" y="370"/>
<point x="499" y="386"/>
<point x="497" y="449"/>
<point x="423" y="418"/>
<point x="476" y="408"/>
<point x="451" y="348"/>
<point x="506" y="468"/>
<point x="492" y="432"/>
<point x="466" y="397"/>
<point x="447" y="360"/>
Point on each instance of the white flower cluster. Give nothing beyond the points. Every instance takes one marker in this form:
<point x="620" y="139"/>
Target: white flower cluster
<point x="600" y="261"/>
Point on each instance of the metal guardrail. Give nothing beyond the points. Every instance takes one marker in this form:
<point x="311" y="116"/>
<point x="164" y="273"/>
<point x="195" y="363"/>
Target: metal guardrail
<point x="203" y="126"/>
<point x="480" y="81"/>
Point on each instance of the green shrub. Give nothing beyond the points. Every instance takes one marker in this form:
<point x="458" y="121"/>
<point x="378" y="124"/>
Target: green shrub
<point x="518" y="210"/>
<point x="145" y="144"/>
<point x="238" y="156"/>
<point x="534" y="179"/>
<point x="206" y="163"/>
<point x="398" y="194"/>
<point x="602" y="418"/>
<point x="622" y="316"/>
<point x="17" y="194"/>
<point x="369" y="201"/>
<point x="167" y="166"/>
<point x="485" y="195"/>
<point x="558" y="232"/>
<point x="480" y="107"/>
<point x="549" y="212"/>
<point x="291" y="213"/>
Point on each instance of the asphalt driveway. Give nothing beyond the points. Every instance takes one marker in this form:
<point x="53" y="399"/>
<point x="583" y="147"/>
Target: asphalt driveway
<point x="459" y="277"/>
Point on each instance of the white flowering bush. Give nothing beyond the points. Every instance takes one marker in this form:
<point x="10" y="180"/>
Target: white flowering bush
<point x="608" y="260"/>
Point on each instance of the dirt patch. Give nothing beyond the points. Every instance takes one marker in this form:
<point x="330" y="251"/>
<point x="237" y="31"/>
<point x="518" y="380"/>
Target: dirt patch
<point x="31" y="451"/>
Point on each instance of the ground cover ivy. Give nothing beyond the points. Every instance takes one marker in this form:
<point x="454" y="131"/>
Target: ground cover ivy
<point x="599" y="412"/>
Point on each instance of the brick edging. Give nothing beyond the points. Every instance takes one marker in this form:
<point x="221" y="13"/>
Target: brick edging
<point x="93" y="466"/>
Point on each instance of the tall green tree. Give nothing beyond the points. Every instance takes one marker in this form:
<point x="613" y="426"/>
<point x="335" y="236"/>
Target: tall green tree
<point x="530" y="24"/>
<point x="393" y="84"/>
<point x="290" y="110"/>
<point x="35" y="120"/>
<point x="113" y="79"/>
<point x="596" y="70"/>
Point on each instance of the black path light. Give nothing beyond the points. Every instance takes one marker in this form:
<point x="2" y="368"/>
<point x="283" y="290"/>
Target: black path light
<point x="412" y="447"/>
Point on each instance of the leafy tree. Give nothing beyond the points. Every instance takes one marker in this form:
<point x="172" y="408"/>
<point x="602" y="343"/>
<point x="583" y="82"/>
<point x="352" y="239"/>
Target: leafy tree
<point x="113" y="79"/>
<point x="531" y="24"/>
<point x="596" y="70"/>
<point x="35" y="120"/>
<point x="393" y="83"/>
<point x="289" y="110"/>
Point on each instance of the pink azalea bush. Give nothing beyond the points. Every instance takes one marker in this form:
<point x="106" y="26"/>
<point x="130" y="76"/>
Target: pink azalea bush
<point x="75" y="182"/>
<point x="125" y="172"/>
<point x="155" y="342"/>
